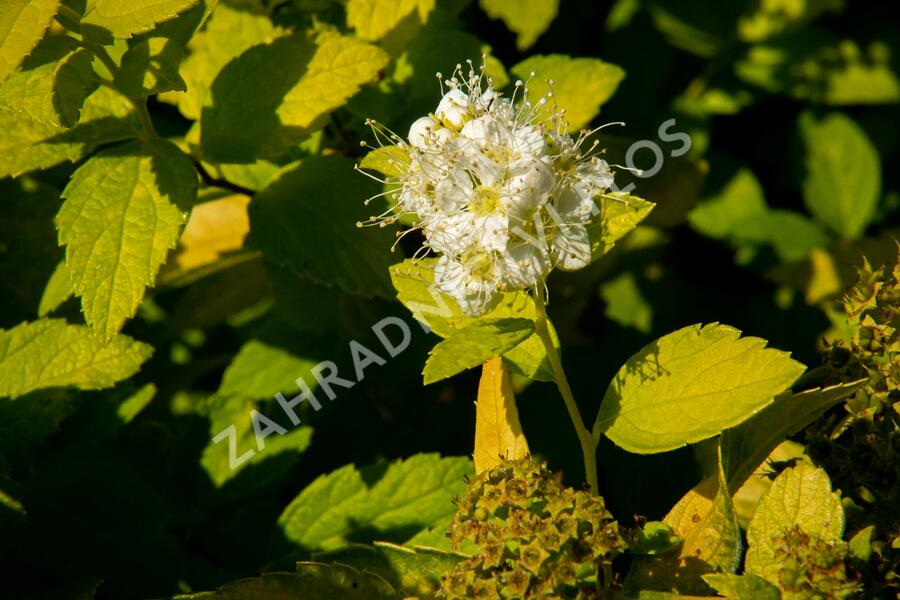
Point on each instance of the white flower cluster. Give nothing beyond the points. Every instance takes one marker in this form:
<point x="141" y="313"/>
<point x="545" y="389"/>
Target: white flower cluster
<point x="500" y="190"/>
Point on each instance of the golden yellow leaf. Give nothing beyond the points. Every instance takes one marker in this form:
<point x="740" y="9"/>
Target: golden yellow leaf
<point x="214" y="228"/>
<point x="498" y="433"/>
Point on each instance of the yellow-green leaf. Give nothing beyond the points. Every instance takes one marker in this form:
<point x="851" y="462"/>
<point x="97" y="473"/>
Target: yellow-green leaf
<point x="22" y="25"/>
<point x="57" y="291"/>
<point x="746" y="446"/>
<point x="843" y="173"/>
<point x="53" y="92"/>
<point x="51" y="353"/>
<point x="414" y="282"/>
<point x="27" y="144"/>
<point x="472" y="345"/>
<point x="387" y="160"/>
<point x="230" y="31"/>
<point x="125" y="18"/>
<point x="150" y="67"/>
<point x="691" y="385"/>
<point x="580" y="85"/>
<point x="498" y="433"/>
<point x="375" y="19"/>
<point x="619" y="214"/>
<point x="290" y="86"/>
<point x="705" y="519"/>
<point x="123" y="212"/>
<point x="528" y="20"/>
<point x="742" y="587"/>
<point x="800" y="497"/>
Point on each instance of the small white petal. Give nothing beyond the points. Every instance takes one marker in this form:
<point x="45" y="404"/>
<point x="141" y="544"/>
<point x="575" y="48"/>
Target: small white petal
<point x="453" y="108"/>
<point x="571" y="248"/>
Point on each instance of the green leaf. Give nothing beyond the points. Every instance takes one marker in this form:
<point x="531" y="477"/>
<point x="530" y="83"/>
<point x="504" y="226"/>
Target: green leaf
<point x="290" y="86"/>
<point x="265" y="459"/>
<point x="654" y="537"/>
<point x="625" y="304"/>
<point x="746" y="446"/>
<point x="580" y="85"/>
<point x="260" y="370"/>
<point x="742" y="587"/>
<point x="813" y="64"/>
<point x="722" y="215"/>
<point x="125" y="18"/>
<point x="619" y="214"/>
<point x="414" y="282"/>
<point x="123" y="212"/>
<point x="27" y="144"/>
<point x="472" y="345"/>
<point x="768" y="19"/>
<point x="843" y="173"/>
<point x="792" y="236"/>
<point x="860" y="544"/>
<point x="528" y="20"/>
<point x="306" y="220"/>
<point x="375" y="19"/>
<point x="410" y="495"/>
<point x="229" y="32"/>
<point x="691" y="385"/>
<point x="313" y="581"/>
<point x="58" y="290"/>
<point x="53" y="92"/>
<point x="412" y="571"/>
<point x="22" y="25"/>
<point x="706" y="522"/>
<point x="800" y="496"/>
<point x="51" y="353"/>
<point x="387" y="160"/>
<point x="150" y="67"/>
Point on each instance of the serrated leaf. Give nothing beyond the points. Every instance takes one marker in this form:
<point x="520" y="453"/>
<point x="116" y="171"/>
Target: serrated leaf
<point x="414" y="282"/>
<point x="742" y="587"/>
<point x="290" y="85"/>
<point x="123" y="212"/>
<point x="51" y="353"/>
<point x="57" y="291"/>
<point x="843" y="173"/>
<point x="528" y="20"/>
<point x="22" y="25"/>
<point x="313" y="581"/>
<point x="800" y="496"/>
<point x="705" y="520"/>
<point x="374" y="19"/>
<point x="125" y="18"/>
<point x="53" y="92"/>
<point x="722" y="215"/>
<point x="229" y="32"/>
<point x="150" y="67"/>
<point x="28" y="144"/>
<point x="412" y="571"/>
<point x="410" y="495"/>
<point x="473" y="345"/>
<point x="691" y="385"/>
<point x="580" y="85"/>
<point x="746" y="446"/>
<point x="498" y="433"/>
<point x="306" y="220"/>
<point x="619" y="214"/>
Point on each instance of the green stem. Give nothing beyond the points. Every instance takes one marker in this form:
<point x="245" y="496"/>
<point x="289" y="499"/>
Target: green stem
<point x="588" y="445"/>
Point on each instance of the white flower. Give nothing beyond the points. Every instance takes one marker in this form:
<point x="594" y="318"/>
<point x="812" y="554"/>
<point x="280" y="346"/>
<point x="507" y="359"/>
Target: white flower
<point x="499" y="189"/>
